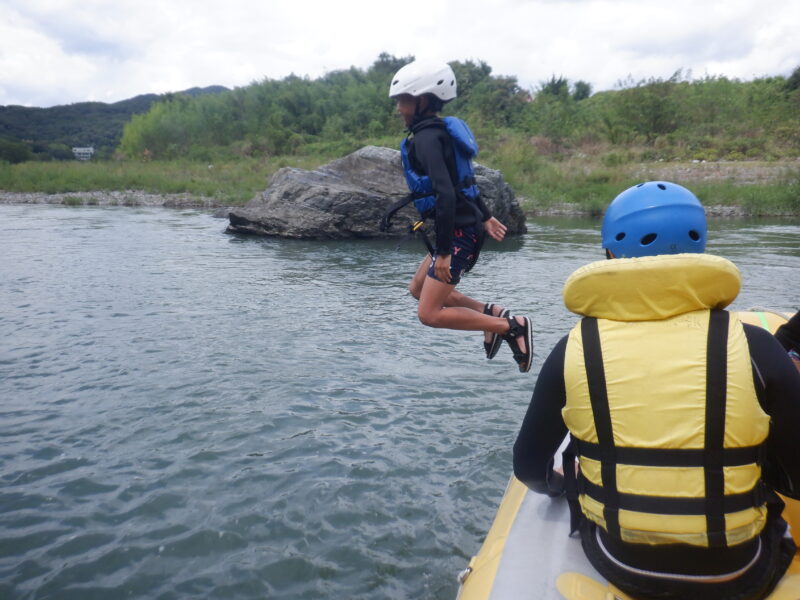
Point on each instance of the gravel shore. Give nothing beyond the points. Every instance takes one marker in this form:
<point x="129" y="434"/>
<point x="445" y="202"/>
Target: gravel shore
<point x="220" y="209"/>
<point x="117" y="198"/>
<point x="572" y="210"/>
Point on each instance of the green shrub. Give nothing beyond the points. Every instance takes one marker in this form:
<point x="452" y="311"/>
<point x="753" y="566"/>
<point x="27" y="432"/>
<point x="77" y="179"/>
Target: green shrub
<point x="14" y="152"/>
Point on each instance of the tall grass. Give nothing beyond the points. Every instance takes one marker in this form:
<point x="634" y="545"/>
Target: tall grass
<point x="587" y="177"/>
<point x="230" y="182"/>
<point x="541" y="176"/>
<point x="766" y="199"/>
<point x="544" y="182"/>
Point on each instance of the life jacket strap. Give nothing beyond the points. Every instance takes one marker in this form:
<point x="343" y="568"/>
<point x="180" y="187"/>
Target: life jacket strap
<point x="465" y="183"/>
<point x="673" y="457"/>
<point x="716" y="400"/>
<point x="568" y="462"/>
<point x="674" y="505"/>
<point x="417" y="227"/>
<point x="712" y="458"/>
<point x="386" y="219"/>
<point x="414" y="228"/>
<point x="598" y="394"/>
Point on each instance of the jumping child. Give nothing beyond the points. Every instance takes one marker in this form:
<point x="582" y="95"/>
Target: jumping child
<point x="437" y="157"/>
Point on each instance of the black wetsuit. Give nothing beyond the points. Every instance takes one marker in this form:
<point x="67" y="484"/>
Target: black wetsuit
<point x="431" y="153"/>
<point x="777" y="384"/>
<point x="788" y="334"/>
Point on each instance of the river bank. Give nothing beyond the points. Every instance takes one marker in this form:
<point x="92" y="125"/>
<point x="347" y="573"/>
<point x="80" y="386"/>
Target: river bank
<point x="587" y="183"/>
<point x="581" y="184"/>
<point x="119" y="198"/>
<point x="220" y="209"/>
<point x="574" y="210"/>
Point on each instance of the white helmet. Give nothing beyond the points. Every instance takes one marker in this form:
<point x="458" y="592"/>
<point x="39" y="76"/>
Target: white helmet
<point x="418" y="78"/>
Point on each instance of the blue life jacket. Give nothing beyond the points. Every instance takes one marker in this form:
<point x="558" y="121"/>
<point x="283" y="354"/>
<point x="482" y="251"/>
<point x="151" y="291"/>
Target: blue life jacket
<point x="464" y="149"/>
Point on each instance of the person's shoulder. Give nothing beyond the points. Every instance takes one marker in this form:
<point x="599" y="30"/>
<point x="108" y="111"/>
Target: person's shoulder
<point x="432" y="127"/>
<point x="427" y="133"/>
<point x="429" y="140"/>
<point x="758" y="335"/>
<point x="766" y="351"/>
<point x="555" y="359"/>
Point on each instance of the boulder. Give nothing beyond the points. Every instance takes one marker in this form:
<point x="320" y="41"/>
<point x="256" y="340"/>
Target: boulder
<point x="347" y="197"/>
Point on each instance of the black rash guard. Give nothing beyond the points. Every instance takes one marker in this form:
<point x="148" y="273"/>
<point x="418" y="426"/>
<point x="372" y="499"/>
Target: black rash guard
<point x="788" y="334"/>
<point x="431" y="153"/>
<point x="777" y="383"/>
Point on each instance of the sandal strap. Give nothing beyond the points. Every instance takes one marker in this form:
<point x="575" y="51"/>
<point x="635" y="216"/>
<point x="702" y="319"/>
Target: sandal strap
<point x="514" y="329"/>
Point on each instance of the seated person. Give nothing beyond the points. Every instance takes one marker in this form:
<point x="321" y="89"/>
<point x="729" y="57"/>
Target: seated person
<point x="683" y="420"/>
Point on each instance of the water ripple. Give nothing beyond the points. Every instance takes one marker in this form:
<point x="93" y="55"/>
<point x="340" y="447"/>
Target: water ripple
<point x="189" y="414"/>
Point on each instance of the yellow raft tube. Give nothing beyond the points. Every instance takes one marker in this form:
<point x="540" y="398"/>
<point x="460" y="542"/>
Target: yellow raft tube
<point x="528" y="553"/>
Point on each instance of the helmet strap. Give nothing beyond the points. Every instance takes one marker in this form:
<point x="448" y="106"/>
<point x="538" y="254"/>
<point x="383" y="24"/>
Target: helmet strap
<point x="421" y="114"/>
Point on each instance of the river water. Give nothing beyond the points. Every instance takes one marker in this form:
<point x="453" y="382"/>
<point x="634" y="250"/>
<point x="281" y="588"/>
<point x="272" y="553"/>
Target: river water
<point x="190" y="414"/>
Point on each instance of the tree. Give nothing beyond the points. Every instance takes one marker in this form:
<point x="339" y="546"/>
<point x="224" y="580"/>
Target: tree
<point x="649" y="108"/>
<point x="468" y="75"/>
<point x="555" y="86"/>
<point x="581" y="91"/>
<point x="793" y="83"/>
<point x="14" y="152"/>
<point x="498" y="100"/>
<point x="387" y="65"/>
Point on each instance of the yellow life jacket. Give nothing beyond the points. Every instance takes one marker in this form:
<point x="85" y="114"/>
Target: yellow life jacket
<point x="661" y="403"/>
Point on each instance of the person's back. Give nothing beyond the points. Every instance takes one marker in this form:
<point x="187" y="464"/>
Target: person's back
<point x="668" y="418"/>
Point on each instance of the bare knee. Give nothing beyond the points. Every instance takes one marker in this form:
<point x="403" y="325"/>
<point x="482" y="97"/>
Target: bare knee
<point x="428" y="318"/>
<point x="414" y="288"/>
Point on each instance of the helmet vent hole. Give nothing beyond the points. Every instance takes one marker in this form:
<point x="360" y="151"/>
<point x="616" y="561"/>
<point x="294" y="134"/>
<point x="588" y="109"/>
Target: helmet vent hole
<point x="661" y="186"/>
<point x="694" y="235"/>
<point x="648" y="239"/>
<point x="620" y="236"/>
<point x="440" y="82"/>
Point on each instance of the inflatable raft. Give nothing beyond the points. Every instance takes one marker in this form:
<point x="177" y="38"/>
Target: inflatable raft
<point x="528" y="553"/>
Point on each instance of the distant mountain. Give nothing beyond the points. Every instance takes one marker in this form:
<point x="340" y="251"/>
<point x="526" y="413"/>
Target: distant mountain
<point x="53" y="131"/>
<point x="212" y="89"/>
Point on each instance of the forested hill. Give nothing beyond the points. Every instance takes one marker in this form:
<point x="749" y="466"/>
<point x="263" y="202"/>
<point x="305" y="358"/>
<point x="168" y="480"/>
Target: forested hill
<point x="655" y="119"/>
<point x="52" y="132"/>
<point x="676" y="118"/>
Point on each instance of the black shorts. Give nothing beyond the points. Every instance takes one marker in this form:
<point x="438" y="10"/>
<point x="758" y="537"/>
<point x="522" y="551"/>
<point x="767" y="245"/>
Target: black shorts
<point x="463" y="252"/>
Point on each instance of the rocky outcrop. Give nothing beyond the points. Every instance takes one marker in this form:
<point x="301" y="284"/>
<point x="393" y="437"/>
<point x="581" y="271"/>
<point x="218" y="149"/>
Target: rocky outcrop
<point x="347" y="198"/>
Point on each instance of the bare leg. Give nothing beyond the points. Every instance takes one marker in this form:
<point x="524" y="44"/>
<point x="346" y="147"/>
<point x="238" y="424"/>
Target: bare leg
<point x="433" y="312"/>
<point x="453" y="299"/>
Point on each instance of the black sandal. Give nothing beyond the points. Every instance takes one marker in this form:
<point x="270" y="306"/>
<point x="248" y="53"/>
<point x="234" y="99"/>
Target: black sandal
<point x="515" y="331"/>
<point x="493" y="346"/>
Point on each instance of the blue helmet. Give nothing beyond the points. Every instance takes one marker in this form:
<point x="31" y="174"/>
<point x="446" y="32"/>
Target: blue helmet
<point x="651" y="218"/>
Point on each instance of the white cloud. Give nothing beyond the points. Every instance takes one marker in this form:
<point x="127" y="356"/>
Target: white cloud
<point x="61" y="51"/>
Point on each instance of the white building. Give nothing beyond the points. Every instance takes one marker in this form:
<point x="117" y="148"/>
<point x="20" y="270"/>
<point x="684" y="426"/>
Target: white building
<point x="83" y="153"/>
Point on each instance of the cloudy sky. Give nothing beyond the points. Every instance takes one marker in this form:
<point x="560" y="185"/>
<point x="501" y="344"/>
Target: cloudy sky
<point x="63" y="51"/>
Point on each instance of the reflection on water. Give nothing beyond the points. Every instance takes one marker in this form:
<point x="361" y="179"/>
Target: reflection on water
<point x="192" y="414"/>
